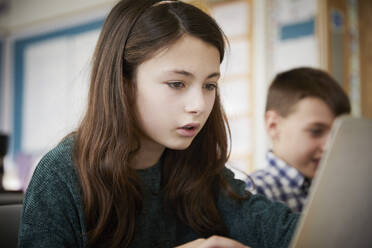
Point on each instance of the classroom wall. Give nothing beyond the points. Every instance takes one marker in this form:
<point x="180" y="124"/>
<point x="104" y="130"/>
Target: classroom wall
<point x="24" y="18"/>
<point x="365" y="21"/>
<point x="22" y="14"/>
<point x="260" y="78"/>
<point x="25" y="21"/>
<point x="292" y="28"/>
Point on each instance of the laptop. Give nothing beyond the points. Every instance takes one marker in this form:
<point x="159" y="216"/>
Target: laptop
<point x="339" y="208"/>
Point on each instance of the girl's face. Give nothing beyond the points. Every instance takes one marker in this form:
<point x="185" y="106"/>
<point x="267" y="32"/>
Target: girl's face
<point x="176" y="90"/>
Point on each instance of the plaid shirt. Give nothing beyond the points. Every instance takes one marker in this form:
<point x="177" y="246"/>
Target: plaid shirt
<point x="280" y="182"/>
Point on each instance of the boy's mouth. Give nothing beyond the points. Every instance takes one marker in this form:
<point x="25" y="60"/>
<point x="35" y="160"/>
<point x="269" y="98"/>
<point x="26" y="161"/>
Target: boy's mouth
<point x="316" y="161"/>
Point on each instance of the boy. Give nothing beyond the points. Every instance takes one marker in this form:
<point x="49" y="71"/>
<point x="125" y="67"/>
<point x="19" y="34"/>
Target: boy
<point x="301" y="106"/>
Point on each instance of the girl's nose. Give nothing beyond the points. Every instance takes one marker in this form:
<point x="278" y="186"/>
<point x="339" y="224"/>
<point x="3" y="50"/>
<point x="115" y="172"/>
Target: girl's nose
<point x="195" y="102"/>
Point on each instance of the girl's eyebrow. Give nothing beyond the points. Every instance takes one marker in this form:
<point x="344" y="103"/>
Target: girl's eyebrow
<point x="189" y="74"/>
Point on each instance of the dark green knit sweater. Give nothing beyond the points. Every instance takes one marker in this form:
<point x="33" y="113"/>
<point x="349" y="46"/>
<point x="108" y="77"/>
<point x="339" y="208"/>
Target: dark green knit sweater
<point x="53" y="213"/>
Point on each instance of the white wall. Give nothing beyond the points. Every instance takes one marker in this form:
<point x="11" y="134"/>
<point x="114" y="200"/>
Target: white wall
<point x="23" y="14"/>
<point x="260" y="79"/>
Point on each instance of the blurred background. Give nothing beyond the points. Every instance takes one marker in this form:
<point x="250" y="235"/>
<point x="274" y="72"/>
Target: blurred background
<point x="46" y="48"/>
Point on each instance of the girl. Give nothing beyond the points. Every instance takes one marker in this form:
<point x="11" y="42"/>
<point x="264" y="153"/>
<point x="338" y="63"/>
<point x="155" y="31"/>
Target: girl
<point x="146" y="167"/>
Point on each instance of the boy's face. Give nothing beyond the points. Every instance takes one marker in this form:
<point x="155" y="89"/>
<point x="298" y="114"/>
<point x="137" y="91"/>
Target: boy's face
<point x="299" y="138"/>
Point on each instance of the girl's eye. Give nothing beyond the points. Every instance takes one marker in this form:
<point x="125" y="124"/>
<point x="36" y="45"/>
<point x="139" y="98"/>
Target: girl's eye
<point x="210" y="86"/>
<point x="176" y="85"/>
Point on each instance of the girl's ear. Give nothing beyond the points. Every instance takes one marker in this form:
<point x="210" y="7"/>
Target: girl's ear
<point x="272" y="123"/>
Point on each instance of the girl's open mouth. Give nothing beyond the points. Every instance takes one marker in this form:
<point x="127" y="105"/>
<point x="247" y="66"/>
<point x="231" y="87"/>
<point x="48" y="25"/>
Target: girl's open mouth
<point x="188" y="130"/>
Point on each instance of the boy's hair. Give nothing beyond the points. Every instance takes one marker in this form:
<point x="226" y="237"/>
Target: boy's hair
<point x="289" y="87"/>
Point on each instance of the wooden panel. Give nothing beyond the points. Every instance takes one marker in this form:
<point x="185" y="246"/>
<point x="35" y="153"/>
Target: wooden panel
<point x="342" y="73"/>
<point x="237" y="79"/>
<point x="365" y="38"/>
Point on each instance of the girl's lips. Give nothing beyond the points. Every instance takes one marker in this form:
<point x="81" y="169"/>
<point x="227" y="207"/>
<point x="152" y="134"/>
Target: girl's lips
<point x="188" y="130"/>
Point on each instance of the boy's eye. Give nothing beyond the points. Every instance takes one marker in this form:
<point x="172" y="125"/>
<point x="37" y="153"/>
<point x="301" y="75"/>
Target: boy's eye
<point x="210" y="86"/>
<point x="316" y="132"/>
<point x="176" y="85"/>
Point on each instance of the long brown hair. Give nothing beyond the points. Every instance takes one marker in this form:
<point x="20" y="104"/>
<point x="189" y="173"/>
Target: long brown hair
<point x="107" y="139"/>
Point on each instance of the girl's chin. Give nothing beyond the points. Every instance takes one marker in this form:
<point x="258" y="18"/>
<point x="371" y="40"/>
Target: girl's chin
<point x="179" y="146"/>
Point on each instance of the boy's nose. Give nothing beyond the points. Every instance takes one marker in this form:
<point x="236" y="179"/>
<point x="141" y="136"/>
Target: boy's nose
<point x="324" y="141"/>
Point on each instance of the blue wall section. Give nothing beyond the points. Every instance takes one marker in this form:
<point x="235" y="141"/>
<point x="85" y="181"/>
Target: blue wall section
<point x="297" y="30"/>
<point x="19" y="49"/>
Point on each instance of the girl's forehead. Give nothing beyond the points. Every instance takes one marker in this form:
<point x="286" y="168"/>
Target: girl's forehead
<point x="188" y="56"/>
<point x="185" y="47"/>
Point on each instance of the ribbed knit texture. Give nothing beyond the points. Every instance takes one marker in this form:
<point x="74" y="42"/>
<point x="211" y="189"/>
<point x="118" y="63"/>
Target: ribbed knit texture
<point x="53" y="216"/>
